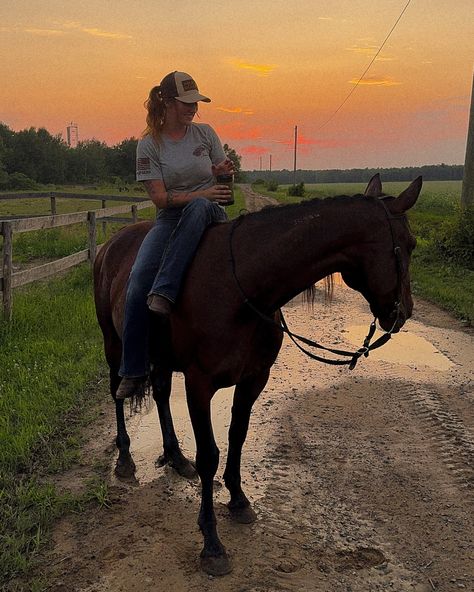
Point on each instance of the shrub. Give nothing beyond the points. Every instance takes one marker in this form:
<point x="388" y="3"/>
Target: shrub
<point x="456" y="241"/>
<point x="21" y="181"/>
<point x="259" y="182"/>
<point x="296" y="190"/>
<point x="272" y="185"/>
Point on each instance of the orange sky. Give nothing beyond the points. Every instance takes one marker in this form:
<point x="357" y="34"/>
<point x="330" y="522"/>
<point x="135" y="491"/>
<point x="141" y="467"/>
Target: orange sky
<point x="267" y="66"/>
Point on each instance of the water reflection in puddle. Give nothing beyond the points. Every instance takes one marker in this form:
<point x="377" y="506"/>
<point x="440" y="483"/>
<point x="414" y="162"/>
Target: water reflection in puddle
<point x="404" y="348"/>
<point x="145" y="433"/>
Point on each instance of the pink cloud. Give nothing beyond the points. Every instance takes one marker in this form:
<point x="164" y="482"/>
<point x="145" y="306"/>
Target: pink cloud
<point x="252" y="149"/>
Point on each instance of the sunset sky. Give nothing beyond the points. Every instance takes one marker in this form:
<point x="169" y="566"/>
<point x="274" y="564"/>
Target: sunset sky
<point x="267" y="66"/>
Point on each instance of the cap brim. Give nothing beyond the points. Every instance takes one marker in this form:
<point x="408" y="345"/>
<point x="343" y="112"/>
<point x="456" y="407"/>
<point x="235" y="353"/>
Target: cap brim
<point x="193" y="97"/>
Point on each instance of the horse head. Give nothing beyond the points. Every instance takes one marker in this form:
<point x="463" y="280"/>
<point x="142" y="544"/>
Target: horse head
<point x="379" y="268"/>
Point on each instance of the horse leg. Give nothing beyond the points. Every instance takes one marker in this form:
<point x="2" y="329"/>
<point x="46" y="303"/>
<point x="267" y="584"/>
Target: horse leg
<point x="245" y="395"/>
<point x="199" y="392"/>
<point x="172" y="455"/>
<point x="124" y="467"/>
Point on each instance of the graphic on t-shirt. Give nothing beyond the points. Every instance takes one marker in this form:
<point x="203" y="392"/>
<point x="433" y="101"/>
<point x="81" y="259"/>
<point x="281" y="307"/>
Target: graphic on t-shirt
<point x="199" y="150"/>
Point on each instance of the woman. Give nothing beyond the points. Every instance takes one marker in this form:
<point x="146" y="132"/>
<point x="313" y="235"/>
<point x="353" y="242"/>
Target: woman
<point x="178" y="161"/>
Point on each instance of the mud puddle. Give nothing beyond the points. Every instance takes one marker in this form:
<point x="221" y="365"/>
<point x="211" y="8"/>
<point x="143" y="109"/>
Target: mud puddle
<point x="406" y="347"/>
<point x="146" y="442"/>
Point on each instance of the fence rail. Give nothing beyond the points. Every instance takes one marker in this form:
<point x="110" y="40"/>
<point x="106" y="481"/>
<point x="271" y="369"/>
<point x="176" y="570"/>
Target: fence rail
<point x="10" y="279"/>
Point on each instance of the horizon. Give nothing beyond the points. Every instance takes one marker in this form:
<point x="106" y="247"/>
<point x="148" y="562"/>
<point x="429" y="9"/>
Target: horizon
<point x="87" y="64"/>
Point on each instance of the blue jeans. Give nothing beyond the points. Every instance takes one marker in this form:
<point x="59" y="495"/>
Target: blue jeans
<point x="160" y="267"/>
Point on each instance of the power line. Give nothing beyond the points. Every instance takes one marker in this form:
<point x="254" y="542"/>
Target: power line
<point x="366" y="70"/>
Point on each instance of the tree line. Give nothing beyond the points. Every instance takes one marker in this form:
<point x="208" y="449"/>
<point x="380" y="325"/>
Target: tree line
<point x="34" y="156"/>
<point x="433" y="172"/>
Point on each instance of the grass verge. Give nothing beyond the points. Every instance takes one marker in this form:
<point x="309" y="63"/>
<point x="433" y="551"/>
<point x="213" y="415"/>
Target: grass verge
<point x="50" y="358"/>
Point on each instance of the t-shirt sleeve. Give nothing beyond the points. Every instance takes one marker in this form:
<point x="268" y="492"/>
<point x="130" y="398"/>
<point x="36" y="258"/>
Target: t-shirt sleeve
<point x="216" y="153"/>
<point x="148" y="166"/>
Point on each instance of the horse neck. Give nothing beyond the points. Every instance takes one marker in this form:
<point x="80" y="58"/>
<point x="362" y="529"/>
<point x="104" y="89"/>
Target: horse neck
<point x="294" y="247"/>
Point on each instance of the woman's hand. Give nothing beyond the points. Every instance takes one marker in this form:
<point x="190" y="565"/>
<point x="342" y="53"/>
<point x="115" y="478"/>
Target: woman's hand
<point x="226" y="167"/>
<point x="217" y="193"/>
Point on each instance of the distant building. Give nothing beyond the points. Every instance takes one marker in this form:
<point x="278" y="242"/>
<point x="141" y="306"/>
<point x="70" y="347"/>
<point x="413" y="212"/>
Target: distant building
<point x="72" y="135"/>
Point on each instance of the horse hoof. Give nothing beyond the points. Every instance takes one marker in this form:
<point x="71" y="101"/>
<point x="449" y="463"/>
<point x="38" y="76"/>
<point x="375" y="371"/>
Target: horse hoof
<point x="216" y="566"/>
<point x="243" y="515"/>
<point x="125" y="470"/>
<point x="186" y="469"/>
<point x="161" y="461"/>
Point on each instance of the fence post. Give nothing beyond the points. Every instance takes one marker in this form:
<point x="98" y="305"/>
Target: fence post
<point x="52" y="197"/>
<point x="91" y="221"/>
<point x="134" y="214"/>
<point x="7" y="265"/>
<point x="104" y="223"/>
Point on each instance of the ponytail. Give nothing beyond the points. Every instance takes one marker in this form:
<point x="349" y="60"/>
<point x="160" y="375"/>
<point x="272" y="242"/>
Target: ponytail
<point x="156" y="110"/>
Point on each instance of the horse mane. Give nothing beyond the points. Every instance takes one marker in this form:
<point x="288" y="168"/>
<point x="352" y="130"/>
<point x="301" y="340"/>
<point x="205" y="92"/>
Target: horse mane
<point x="309" y="294"/>
<point x="285" y="209"/>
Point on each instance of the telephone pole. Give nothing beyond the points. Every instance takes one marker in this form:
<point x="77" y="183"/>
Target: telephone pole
<point x="294" y="162"/>
<point x="467" y="195"/>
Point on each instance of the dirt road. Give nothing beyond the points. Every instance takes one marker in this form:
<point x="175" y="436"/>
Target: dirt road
<point x="361" y="480"/>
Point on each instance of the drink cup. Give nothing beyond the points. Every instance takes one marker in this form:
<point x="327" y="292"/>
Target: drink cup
<point x="229" y="181"/>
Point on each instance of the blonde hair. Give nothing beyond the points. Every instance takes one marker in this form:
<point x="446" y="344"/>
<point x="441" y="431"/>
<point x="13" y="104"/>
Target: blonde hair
<point x="156" y="111"/>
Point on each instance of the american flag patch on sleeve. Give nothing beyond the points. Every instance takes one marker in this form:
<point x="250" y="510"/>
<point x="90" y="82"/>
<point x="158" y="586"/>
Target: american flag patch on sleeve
<point x="143" y="165"/>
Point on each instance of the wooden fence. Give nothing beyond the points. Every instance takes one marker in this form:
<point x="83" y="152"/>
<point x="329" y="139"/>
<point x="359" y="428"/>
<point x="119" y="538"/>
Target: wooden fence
<point x="10" y="279"/>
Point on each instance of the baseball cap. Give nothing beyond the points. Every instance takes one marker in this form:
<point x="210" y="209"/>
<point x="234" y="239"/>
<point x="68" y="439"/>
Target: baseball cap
<point x="180" y="86"/>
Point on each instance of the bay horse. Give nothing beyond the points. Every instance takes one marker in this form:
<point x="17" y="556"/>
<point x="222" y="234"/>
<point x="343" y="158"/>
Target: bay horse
<point x="218" y="341"/>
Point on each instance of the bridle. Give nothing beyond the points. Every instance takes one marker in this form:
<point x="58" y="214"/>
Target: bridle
<point x="351" y="357"/>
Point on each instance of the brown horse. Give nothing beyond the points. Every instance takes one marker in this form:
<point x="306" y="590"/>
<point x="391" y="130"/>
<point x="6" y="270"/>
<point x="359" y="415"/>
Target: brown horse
<point x="217" y="340"/>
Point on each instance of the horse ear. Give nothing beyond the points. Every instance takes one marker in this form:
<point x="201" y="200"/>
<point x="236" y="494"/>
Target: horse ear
<point x="374" y="188"/>
<point x="407" y="198"/>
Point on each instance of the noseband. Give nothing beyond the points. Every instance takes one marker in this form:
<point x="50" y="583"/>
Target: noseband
<point x="351" y="357"/>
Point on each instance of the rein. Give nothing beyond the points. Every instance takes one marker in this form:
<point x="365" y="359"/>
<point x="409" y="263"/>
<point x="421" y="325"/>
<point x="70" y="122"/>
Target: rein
<point x="353" y="357"/>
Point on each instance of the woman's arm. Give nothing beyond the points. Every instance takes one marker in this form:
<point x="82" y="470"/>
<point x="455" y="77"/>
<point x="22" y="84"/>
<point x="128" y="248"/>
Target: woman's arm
<point x="175" y="199"/>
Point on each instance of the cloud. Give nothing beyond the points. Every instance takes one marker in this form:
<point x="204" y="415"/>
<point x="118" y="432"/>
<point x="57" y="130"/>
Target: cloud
<point x="238" y="131"/>
<point x="305" y="143"/>
<point x="252" y="149"/>
<point x="325" y="18"/>
<point x="374" y="81"/>
<point x="369" y="49"/>
<point x="69" y="26"/>
<point x="259" y="69"/>
<point x="235" y="110"/>
<point x="108" y="34"/>
<point x="45" y="32"/>
<point x="33" y="31"/>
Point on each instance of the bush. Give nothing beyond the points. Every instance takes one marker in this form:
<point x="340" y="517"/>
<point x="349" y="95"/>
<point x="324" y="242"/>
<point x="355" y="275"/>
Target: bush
<point x="259" y="182"/>
<point x="456" y="242"/>
<point x="21" y="181"/>
<point x="296" y="190"/>
<point x="272" y="185"/>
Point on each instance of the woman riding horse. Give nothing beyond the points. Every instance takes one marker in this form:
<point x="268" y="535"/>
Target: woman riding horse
<point x="178" y="161"/>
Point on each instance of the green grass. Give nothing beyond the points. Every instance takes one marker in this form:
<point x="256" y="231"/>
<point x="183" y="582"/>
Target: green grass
<point x="49" y="360"/>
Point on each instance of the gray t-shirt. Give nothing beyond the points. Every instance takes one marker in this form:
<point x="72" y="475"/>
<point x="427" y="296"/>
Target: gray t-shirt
<point x="183" y="165"/>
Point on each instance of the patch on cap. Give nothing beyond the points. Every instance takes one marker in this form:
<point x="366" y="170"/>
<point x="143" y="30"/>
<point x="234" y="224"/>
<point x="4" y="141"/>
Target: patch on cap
<point x="181" y="86"/>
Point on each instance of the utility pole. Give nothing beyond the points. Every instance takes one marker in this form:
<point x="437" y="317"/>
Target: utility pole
<point x="294" y="162"/>
<point x="467" y="194"/>
<point x="270" y="163"/>
<point x="260" y="163"/>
